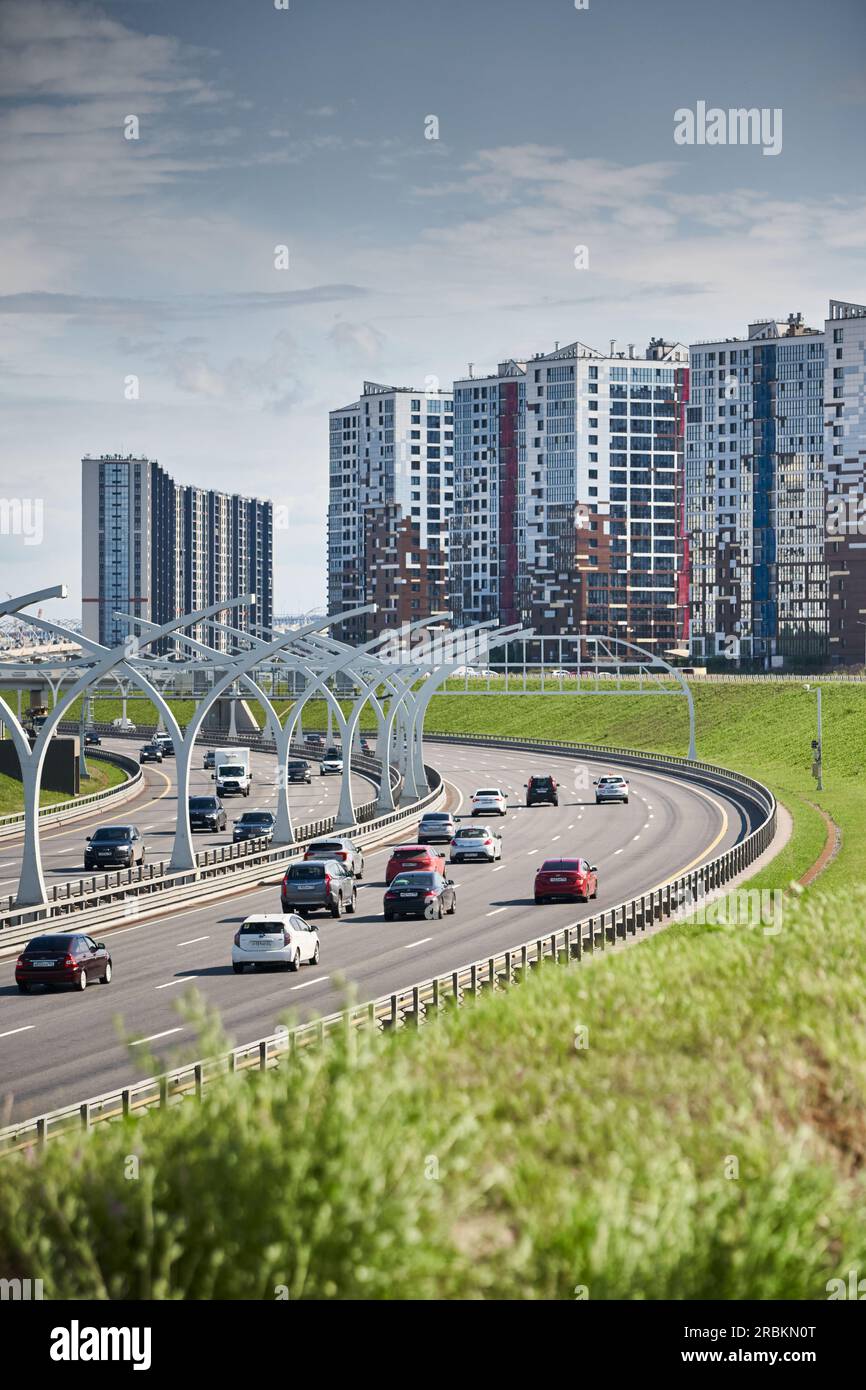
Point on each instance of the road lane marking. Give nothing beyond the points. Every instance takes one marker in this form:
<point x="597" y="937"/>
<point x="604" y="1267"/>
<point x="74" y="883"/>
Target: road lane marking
<point x="499" y="868"/>
<point x="557" y="837"/>
<point x="422" y="942"/>
<point x="181" y="981"/>
<point x="137" y="1042"/>
<point x="306" y="985"/>
<point x="12" y="1031"/>
<point x="193" y="941"/>
<point x="496" y="911"/>
<point x="532" y="851"/>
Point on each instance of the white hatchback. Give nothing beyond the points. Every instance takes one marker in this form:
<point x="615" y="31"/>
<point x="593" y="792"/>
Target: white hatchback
<point x="489" y="801"/>
<point x="270" y="938"/>
<point x="476" y="842"/>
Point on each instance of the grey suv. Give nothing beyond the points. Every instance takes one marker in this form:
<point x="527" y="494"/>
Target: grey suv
<point x="346" y="852"/>
<point x="318" y="883"/>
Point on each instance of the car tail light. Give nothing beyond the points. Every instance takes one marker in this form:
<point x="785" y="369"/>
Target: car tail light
<point x="390" y="893"/>
<point x="237" y="938"/>
<point x="428" y="896"/>
<point x="488" y="842"/>
<point x="20" y="961"/>
<point x="327" y="880"/>
<point x="286" y="936"/>
<point x="342" y="855"/>
<point x="68" y="960"/>
<point x="454" y="841"/>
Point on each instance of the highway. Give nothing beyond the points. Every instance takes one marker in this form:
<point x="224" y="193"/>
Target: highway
<point x="60" y="1048"/>
<point x="154" y="808"/>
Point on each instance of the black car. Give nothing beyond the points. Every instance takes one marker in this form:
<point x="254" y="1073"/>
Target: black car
<point x="319" y="883"/>
<point x="150" y="753"/>
<point x="436" y="828"/>
<point x="540" y="790"/>
<point x="207" y="813"/>
<point x="255" y="825"/>
<point x="67" y="958"/>
<point x="419" y="894"/>
<point x="113" y="847"/>
<point x="91" y="739"/>
<point x="298" y="770"/>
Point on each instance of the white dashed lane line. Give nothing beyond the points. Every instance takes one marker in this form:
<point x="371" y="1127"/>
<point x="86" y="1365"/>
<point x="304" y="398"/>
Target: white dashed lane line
<point x="12" y="1031"/>
<point x="181" y="981"/>
<point x="137" y="1042"/>
<point x="195" y="940"/>
<point x="496" y="911"/>
<point x="306" y="985"/>
<point x="412" y="944"/>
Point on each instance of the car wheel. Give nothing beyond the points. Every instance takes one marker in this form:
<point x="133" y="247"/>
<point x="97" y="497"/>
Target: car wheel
<point x="24" y="988"/>
<point x="81" y="983"/>
<point x="295" y="962"/>
<point x="453" y="908"/>
<point x="106" y="978"/>
<point x="625" y="799"/>
<point x="337" y="907"/>
<point x="595" y="891"/>
<point x="389" y="916"/>
<point x="315" y="956"/>
<point x="556" y="802"/>
<point x="141" y="860"/>
<point x="237" y="967"/>
<point x="439" y="911"/>
<point x="538" y="900"/>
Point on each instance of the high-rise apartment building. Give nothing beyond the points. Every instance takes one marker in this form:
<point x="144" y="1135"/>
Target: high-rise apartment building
<point x="845" y="479"/>
<point x="755" y="491"/>
<point x="160" y="549"/>
<point x="390" y="502"/>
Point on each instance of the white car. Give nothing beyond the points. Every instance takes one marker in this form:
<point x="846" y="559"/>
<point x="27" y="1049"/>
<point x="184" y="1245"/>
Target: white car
<point x="332" y="761"/>
<point x="476" y="842"/>
<point x="489" y="801"/>
<point x="122" y="723"/>
<point x="611" y="789"/>
<point x="270" y="938"/>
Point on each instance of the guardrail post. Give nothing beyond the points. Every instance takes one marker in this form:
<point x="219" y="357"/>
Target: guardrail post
<point x="524" y="960"/>
<point x="566" y="942"/>
<point x="263" y="1055"/>
<point x="473" y="980"/>
<point x="198" y="1073"/>
<point x="491" y="973"/>
<point x="233" y="1063"/>
<point x="125" y="1101"/>
<point x="539" y="951"/>
<point x="41" y="1131"/>
<point x="163" y="1092"/>
<point x="395" y="1012"/>
<point x="435" y="1004"/>
<point x="455" y="986"/>
<point x="84" y="1111"/>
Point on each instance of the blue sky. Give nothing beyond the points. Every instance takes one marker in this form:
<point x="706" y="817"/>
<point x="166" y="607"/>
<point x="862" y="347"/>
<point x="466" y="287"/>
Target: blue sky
<point x="408" y="257"/>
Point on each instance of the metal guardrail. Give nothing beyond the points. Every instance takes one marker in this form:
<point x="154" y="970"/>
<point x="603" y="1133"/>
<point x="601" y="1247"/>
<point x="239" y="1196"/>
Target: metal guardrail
<point x="241" y="862"/>
<point x="423" y="1002"/>
<point x="71" y="809"/>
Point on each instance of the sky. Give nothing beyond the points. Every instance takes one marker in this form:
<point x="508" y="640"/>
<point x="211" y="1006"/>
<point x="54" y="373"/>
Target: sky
<point x="145" y="308"/>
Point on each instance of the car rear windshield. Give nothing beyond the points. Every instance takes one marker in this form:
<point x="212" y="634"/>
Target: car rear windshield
<point x="48" y="943"/>
<point x="326" y="847"/>
<point x="256" y="818"/>
<point x="472" y="832"/>
<point x="614" y="780"/>
<point x="542" y="783"/>
<point x="202" y="803"/>
<point x="306" y="871"/>
<point x="568" y="864"/>
<point x="112" y="834"/>
<point x="262" y="929"/>
<point x="435" y="816"/>
<point x="414" y="881"/>
<point x="298" y="766"/>
<point x="414" y="853"/>
<point x="491" y="792"/>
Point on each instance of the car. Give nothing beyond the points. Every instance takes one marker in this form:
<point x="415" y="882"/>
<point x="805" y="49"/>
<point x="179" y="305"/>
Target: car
<point x="63" y="958"/>
<point x="314" y="740"/>
<point x="611" y="789"/>
<point x="419" y="894"/>
<point x="343" y="850"/>
<point x="91" y="739"/>
<point x="316" y="883"/>
<point x="406" y="857"/>
<point x="365" y="748"/>
<point x="254" y="825"/>
<point x="298" y="770"/>
<point x="113" y="847"/>
<point x="566" y="878"/>
<point x="150" y="753"/>
<point x="436" y="828"/>
<point x="542" y="789"/>
<point x="489" y="801"/>
<point x="125" y="724"/>
<point x="271" y="939"/>
<point x="208" y="759"/>
<point x="207" y="813"/>
<point x="332" y="762"/>
<point x="165" y="744"/>
<point x="476" y="842"/>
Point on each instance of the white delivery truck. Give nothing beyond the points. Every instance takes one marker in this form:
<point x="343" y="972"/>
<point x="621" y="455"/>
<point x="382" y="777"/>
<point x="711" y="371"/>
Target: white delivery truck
<point x="232" y="771"/>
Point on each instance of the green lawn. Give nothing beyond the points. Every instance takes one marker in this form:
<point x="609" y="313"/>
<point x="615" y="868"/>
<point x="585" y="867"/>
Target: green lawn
<point x="102" y="775"/>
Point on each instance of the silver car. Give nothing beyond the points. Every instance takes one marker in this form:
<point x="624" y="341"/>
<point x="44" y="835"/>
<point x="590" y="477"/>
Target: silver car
<point x="346" y="852"/>
<point x="611" y="789"/>
<point x="436" y="828"/>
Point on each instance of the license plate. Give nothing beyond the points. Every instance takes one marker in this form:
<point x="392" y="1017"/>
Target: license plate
<point x="559" y="878"/>
<point x="407" y="895"/>
<point x="46" y="963"/>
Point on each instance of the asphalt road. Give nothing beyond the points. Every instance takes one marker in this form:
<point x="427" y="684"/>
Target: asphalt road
<point x="61" y="1048"/>
<point x="154" y="809"/>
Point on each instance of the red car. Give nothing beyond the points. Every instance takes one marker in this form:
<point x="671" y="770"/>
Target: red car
<point x="67" y="958"/>
<point x="566" y="878"/>
<point x="415" y="857"/>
